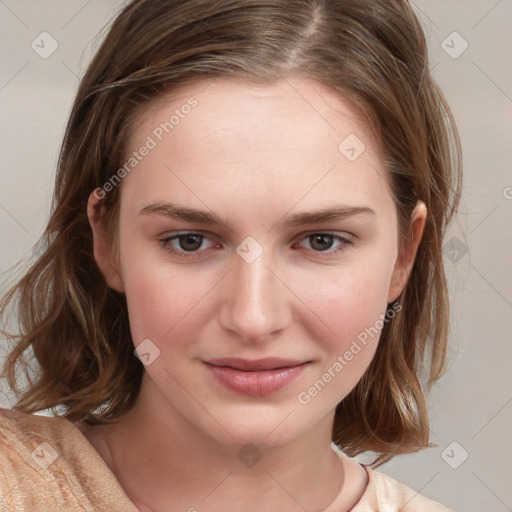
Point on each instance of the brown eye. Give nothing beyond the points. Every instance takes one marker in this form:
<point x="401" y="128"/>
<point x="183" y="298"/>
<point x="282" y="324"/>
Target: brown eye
<point x="321" y="242"/>
<point x="324" y="242"/>
<point x="185" y="244"/>
<point x="190" y="242"/>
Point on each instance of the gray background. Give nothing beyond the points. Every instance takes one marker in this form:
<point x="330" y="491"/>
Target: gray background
<point x="471" y="407"/>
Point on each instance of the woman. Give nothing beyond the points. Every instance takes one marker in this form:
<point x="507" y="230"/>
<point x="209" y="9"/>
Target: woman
<point x="243" y="268"/>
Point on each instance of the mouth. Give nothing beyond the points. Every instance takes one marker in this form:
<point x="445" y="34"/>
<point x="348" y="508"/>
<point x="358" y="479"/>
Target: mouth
<point x="256" y="377"/>
<point x="247" y="365"/>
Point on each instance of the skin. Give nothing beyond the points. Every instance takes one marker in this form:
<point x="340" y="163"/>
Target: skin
<point x="254" y="155"/>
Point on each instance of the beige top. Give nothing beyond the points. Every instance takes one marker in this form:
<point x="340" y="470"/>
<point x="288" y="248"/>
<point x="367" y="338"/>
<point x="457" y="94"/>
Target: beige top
<point x="46" y="464"/>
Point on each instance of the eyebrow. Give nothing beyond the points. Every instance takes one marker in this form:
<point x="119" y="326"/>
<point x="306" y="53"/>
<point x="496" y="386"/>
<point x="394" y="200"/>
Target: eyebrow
<point x="193" y="215"/>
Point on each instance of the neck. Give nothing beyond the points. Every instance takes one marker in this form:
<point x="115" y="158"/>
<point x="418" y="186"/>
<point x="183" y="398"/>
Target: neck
<point x="160" y="458"/>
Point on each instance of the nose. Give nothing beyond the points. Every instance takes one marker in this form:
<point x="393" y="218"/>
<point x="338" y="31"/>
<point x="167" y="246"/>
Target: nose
<point x="256" y="303"/>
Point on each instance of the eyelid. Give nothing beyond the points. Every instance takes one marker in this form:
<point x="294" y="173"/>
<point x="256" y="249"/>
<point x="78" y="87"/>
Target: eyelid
<point x="168" y="238"/>
<point x="339" y="234"/>
<point x="346" y="241"/>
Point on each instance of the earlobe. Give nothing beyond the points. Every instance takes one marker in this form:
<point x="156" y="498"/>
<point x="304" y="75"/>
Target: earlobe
<point x="102" y="244"/>
<point x="407" y="255"/>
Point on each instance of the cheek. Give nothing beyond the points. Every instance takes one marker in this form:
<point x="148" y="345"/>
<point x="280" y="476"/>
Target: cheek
<point x="166" y="302"/>
<point x="160" y="302"/>
<point x="346" y="302"/>
<point x="332" y="306"/>
<point x="351" y="311"/>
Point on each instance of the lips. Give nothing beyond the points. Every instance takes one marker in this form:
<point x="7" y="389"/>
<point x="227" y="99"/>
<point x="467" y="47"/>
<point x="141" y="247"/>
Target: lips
<point x="270" y="363"/>
<point x="255" y="377"/>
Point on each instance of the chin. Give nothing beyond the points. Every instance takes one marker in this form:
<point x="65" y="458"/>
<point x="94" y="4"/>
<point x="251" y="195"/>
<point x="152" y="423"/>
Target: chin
<point x="257" y="437"/>
<point x="262" y="430"/>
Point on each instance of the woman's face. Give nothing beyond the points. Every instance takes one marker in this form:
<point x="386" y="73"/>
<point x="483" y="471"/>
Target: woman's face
<point x="258" y="252"/>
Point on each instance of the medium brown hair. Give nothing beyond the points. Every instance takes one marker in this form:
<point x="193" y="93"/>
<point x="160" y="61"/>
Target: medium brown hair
<point x="375" y="54"/>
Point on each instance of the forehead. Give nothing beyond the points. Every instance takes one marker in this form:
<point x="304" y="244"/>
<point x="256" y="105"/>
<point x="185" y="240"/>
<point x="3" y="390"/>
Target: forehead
<point x="228" y="99"/>
<point x="283" y="141"/>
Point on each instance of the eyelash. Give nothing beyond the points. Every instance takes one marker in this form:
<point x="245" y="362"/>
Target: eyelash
<point x="167" y="244"/>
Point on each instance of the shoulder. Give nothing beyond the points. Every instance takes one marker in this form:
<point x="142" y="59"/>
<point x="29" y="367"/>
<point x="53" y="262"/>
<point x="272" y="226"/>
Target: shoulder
<point x="47" y="464"/>
<point x="17" y="426"/>
<point x="385" y="493"/>
<point x="28" y="445"/>
<point x="30" y="442"/>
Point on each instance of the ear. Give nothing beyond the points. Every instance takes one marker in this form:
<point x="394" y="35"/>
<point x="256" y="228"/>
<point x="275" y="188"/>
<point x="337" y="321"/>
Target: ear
<point x="407" y="252"/>
<point x="102" y="244"/>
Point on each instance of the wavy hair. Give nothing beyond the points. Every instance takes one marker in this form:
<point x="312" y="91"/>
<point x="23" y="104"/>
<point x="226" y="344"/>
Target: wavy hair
<point x="374" y="53"/>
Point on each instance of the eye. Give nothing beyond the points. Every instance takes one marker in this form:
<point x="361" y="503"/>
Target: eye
<point x="184" y="244"/>
<point x="323" y="242"/>
<point x="189" y="244"/>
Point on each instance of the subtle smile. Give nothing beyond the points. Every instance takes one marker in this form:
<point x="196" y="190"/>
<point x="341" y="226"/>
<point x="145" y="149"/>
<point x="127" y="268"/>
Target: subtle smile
<point x="258" y="377"/>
